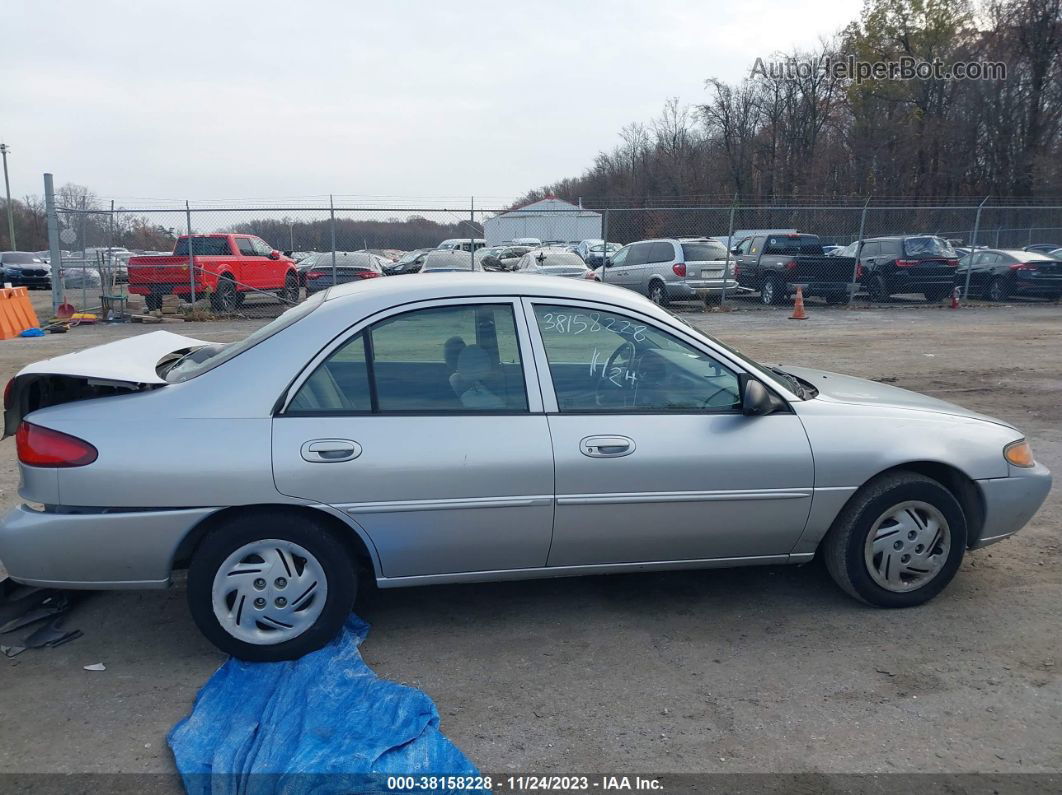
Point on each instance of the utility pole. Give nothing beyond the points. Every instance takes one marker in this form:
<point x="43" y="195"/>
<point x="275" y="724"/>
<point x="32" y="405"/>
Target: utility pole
<point x="4" y="149"/>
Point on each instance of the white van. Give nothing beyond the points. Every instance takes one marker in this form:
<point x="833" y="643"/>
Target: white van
<point x="462" y="244"/>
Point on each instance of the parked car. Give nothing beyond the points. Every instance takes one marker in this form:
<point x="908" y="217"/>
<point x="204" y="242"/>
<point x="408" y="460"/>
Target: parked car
<point x="227" y="267"/>
<point x="450" y="260"/>
<point x="998" y="274"/>
<point x="462" y="244"/>
<point x="501" y="258"/>
<point x="81" y="278"/>
<point x="410" y="262"/>
<point x="350" y="266"/>
<point x="555" y="262"/>
<point x="830" y="251"/>
<point x="908" y="264"/>
<point x="1042" y="248"/>
<point x="594" y="252"/>
<point x="26" y="269"/>
<point x="633" y="442"/>
<point x="774" y="263"/>
<point x="669" y="269"/>
<point x="1057" y="253"/>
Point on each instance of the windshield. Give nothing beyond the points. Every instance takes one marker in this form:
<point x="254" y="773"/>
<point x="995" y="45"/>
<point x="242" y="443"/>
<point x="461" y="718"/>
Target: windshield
<point x="20" y="258"/>
<point x="935" y="246"/>
<point x="203" y="245"/>
<point x="207" y="357"/>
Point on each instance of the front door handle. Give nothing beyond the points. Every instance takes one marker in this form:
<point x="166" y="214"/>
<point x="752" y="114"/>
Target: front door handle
<point x="606" y="446"/>
<point x="326" y="451"/>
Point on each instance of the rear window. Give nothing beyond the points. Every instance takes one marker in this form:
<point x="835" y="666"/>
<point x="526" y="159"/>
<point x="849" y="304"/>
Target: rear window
<point x="208" y="357"/>
<point x="934" y="246"/>
<point x="703" y="252"/>
<point x="793" y="245"/>
<point x="203" y="245"/>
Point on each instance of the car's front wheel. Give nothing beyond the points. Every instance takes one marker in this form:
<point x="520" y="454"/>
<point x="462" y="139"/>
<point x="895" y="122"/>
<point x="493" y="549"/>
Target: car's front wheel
<point x="898" y="542"/>
<point x="266" y="588"/>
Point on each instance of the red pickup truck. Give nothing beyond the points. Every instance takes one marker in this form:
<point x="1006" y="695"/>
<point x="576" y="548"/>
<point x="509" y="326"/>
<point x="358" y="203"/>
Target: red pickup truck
<point x="227" y="267"/>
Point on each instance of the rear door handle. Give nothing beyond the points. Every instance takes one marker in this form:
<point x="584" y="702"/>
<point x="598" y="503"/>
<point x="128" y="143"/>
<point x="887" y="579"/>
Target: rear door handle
<point x="607" y="446"/>
<point x="326" y="451"/>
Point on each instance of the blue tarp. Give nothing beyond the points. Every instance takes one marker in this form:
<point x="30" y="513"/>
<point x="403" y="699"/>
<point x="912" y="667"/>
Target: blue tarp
<point x="262" y="727"/>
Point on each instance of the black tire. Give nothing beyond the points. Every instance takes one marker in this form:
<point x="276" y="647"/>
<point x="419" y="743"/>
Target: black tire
<point x="844" y="546"/>
<point x="997" y="289"/>
<point x="658" y="293"/>
<point x="223" y="541"/>
<point x="153" y="302"/>
<point x="224" y="297"/>
<point x="290" y="293"/>
<point x="935" y="294"/>
<point x="876" y="288"/>
<point x="772" y="292"/>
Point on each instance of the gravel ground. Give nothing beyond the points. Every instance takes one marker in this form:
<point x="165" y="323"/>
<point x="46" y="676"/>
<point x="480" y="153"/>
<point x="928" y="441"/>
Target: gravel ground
<point x="761" y="669"/>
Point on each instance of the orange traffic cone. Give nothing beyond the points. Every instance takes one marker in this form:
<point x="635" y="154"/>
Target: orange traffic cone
<point x="798" y="306"/>
<point x="955" y="298"/>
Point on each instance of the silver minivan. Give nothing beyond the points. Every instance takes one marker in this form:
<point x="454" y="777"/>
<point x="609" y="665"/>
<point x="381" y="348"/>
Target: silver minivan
<point x="671" y="269"/>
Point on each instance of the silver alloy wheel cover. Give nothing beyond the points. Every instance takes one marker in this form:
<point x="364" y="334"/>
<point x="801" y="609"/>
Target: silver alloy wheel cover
<point x="907" y="546"/>
<point x="767" y="293"/>
<point x="293" y="597"/>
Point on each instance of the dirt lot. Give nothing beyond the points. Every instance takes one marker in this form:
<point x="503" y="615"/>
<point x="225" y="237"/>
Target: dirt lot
<point x="770" y="669"/>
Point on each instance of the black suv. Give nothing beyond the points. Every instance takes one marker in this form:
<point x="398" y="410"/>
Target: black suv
<point x="916" y="264"/>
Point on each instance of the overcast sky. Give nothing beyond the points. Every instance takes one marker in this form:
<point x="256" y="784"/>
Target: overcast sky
<point x="408" y="99"/>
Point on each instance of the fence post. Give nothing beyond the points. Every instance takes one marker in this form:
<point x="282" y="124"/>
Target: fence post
<point x="111" y="268"/>
<point x="472" y="232"/>
<point x="332" y="215"/>
<point x="858" y="250"/>
<point x="973" y="249"/>
<point x="53" y="244"/>
<point x="191" y="252"/>
<point x="604" y="245"/>
<point x="729" y="249"/>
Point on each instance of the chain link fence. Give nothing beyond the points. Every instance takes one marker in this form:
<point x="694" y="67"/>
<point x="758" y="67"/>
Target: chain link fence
<point x="122" y="260"/>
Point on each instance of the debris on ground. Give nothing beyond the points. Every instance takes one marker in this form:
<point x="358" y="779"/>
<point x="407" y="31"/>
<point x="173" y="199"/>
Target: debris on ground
<point x="96" y="667"/>
<point x="338" y="717"/>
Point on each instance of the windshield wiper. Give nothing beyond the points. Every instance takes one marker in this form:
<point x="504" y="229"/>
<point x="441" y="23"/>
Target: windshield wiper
<point x="795" y="386"/>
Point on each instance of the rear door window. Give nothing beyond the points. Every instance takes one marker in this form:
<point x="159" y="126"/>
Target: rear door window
<point x="245" y="246"/>
<point x="661" y="251"/>
<point x="703" y="252"/>
<point x="639" y="254"/>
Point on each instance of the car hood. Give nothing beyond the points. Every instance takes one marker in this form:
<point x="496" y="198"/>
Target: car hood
<point x="861" y="391"/>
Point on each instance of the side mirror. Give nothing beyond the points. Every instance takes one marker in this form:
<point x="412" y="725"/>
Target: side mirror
<point x="755" y="399"/>
<point x="274" y="255"/>
<point x="608" y="262"/>
<point x="734" y="251"/>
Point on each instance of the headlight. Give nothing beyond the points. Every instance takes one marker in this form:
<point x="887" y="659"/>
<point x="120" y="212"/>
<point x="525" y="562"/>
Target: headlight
<point x="1019" y="454"/>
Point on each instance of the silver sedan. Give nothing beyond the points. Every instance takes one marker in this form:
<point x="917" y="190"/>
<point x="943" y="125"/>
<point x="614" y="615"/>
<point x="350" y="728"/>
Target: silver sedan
<point x="466" y="427"/>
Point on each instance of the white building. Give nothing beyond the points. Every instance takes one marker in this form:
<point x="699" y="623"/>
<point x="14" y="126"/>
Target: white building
<point x="548" y="219"/>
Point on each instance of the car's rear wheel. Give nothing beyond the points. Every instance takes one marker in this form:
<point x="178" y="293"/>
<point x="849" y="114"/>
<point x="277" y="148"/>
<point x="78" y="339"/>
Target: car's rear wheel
<point x="658" y="293"/>
<point x="224" y="298"/>
<point x="267" y="588"/>
<point x="898" y="542"/>
<point x="934" y="294"/>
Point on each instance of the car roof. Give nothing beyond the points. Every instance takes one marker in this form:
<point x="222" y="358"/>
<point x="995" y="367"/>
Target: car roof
<point x="454" y="284"/>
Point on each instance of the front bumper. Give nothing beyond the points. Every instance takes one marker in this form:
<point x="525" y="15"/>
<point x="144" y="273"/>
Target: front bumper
<point x="97" y="550"/>
<point x="1011" y="502"/>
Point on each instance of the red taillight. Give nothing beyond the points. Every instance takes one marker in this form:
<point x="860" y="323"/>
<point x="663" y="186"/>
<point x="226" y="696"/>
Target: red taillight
<point x="952" y="263"/>
<point x="906" y="263"/>
<point x="680" y="269"/>
<point x="735" y="270"/>
<point x="1023" y="266"/>
<point x="859" y="271"/>
<point x="43" y="447"/>
<point x="791" y="265"/>
<point x="368" y="274"/>
<point x="314" y="275"/>
<point x="591" y="276"/>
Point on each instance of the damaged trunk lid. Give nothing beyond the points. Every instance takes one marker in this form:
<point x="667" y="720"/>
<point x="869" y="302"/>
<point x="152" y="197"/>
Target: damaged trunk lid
<point x="116" y="368"/>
